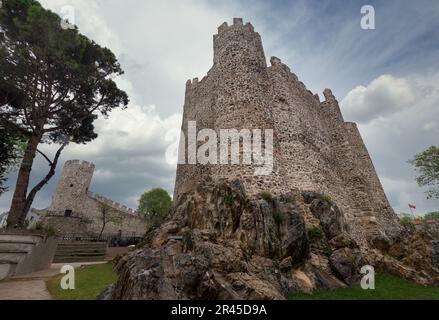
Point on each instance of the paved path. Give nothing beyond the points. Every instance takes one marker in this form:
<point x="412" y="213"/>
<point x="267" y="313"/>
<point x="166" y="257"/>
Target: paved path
<point x="24" y="290"/>
<point x="33" y="286"/>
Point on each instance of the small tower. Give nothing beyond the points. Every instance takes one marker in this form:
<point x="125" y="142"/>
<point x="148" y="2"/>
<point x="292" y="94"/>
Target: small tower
<point x="72" y="187"/>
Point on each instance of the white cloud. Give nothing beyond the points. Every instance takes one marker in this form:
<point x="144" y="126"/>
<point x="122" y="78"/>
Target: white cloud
<point x="383" y="96"/>
<point x="430" y="126"/>
<point x="395" y="135"/>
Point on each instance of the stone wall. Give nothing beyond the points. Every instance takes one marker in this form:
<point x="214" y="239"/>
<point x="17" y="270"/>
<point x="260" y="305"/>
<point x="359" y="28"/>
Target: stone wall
<point x="75" y="209"/>
<point x="314" y="148"/>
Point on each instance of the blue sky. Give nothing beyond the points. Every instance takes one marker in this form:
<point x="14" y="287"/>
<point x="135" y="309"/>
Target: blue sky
<point x="386" y="79"/>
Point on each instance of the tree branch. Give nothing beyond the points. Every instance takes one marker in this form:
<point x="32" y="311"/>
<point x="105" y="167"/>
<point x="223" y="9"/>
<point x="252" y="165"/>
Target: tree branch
<point x="45" y="180"/>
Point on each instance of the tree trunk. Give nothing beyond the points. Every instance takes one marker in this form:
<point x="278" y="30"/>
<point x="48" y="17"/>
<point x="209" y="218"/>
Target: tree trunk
<point x="17" y="214"/>
<point x="102" y="230"/>
<point x="42" y="183"/>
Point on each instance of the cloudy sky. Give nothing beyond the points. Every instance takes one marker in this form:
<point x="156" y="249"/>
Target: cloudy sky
<point x="387" y="80"/>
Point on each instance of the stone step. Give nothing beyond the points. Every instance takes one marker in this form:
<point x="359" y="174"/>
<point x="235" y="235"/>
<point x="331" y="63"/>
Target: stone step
<point x="20" y="246"/>
<point x="7" y="268"/>
<point x="78" y="259"/>
<point x="37" y="238"/>
<point x="75" y="252"/>
<point x="12" y="255"/>
<point x="81" y="246"/>
<point x="80" y="252"/>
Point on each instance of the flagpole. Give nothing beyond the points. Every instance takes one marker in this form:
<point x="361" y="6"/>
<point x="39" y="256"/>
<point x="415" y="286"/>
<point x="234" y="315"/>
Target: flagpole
<point x="411" y="210"/>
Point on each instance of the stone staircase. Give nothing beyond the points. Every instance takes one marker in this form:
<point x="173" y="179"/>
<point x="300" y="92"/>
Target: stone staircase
<point x="24" y="253"/>
<point x="80" y="252"/>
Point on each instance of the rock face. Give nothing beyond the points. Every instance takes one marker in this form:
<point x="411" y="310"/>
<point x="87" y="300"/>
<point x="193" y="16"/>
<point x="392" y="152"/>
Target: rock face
<point x="220" y="244"/>
<point x="314" y="148"/>
<point x="412" y="255"/>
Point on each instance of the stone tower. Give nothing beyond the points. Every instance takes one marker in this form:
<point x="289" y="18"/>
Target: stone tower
<point x="314" y="148"/>
<point x="72" y="187"/>
<point x="77" y="210"/>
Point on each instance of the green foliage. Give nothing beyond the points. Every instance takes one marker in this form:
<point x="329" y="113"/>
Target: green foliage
<point x="77" y="72"/>
<point x="229" y="200"/>
<point x="386" y="288"/>
<point x="427" y="166"/>
<point x="47" y="230"/>
<point x="155" y="205"/>
<point x="267" y="196"/>
<point x="432" y="216"/>
<point x="89" y="282"/>
<point x="107" y="216"/>
<point x="327" y="199"/>
<point x="279" y="218"/>
<point x="12" y="146"/>
<point x="53" y="84"/>
<point x="315" y="233"/>
<point x="327" y="251"/>
<point x="406" y="219"/>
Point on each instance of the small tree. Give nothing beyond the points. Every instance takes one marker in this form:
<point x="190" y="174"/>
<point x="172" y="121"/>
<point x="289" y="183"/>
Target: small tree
<point x="53" y="84"/>
<point x="107" y="216"/>
<point x="432" y="216"/>
<point x="155" y="204"/>
<point x="12" y="147"/>
<point x="427" y="166"/>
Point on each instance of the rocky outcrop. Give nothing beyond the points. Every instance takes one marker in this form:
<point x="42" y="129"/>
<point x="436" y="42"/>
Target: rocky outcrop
<point x="220" y="244"/>
<point x="412" y="255"/>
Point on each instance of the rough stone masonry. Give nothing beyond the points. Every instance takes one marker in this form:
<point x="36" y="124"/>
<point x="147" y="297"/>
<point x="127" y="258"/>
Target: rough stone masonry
<point x="314" y="148"/>
<point x="76" y="210"/>
<point x="314" y="223"/>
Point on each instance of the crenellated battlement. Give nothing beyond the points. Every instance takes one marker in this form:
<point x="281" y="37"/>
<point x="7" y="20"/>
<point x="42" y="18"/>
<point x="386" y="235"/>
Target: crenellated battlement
<point x="314" y="148"/>
<point x="82" y="163"/>
<point x="277" y="64"/>
<point x="114" y="205"/>
<point x="237" y="23"/>
<point x="73" y="199"/>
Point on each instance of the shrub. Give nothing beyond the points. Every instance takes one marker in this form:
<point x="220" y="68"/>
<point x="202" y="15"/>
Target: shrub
<point x="315" y="233"/>
<point x="327" y="199"/>
<point x="229" y="200"/>
<point x="48" y="230"/>
<point x="267" y="196"/>
<point x="278" y="218"/>
<point x="432" y="216"/>
<point x="327" y="251"/>
<point x="406" y="220"/>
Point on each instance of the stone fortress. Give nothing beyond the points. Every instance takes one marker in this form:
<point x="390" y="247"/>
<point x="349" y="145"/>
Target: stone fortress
<point x="76" y="210"/>
<point x="312" y="224"/>
<point x="314" y="148"/>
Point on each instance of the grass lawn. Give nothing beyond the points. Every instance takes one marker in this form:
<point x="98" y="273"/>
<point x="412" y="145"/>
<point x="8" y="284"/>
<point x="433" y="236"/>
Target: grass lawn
<point x="386" y="288"/>
<point x="89" y="282"/>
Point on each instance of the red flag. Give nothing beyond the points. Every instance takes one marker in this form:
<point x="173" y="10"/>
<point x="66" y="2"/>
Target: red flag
<point x="412" y="206"/>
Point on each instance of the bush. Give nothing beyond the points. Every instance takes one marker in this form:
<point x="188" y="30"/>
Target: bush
<point x="315" y="233"/>
<point x="229" y="200"/>
<point x="267" y="196"/>
<point x="406" y="220"/>
<point x="278" y="218"/>
<point x="432" y="216"/>
<point x="327" y="199"/>
<point x="327" y="251"/>
<point x="47" y="230"/>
